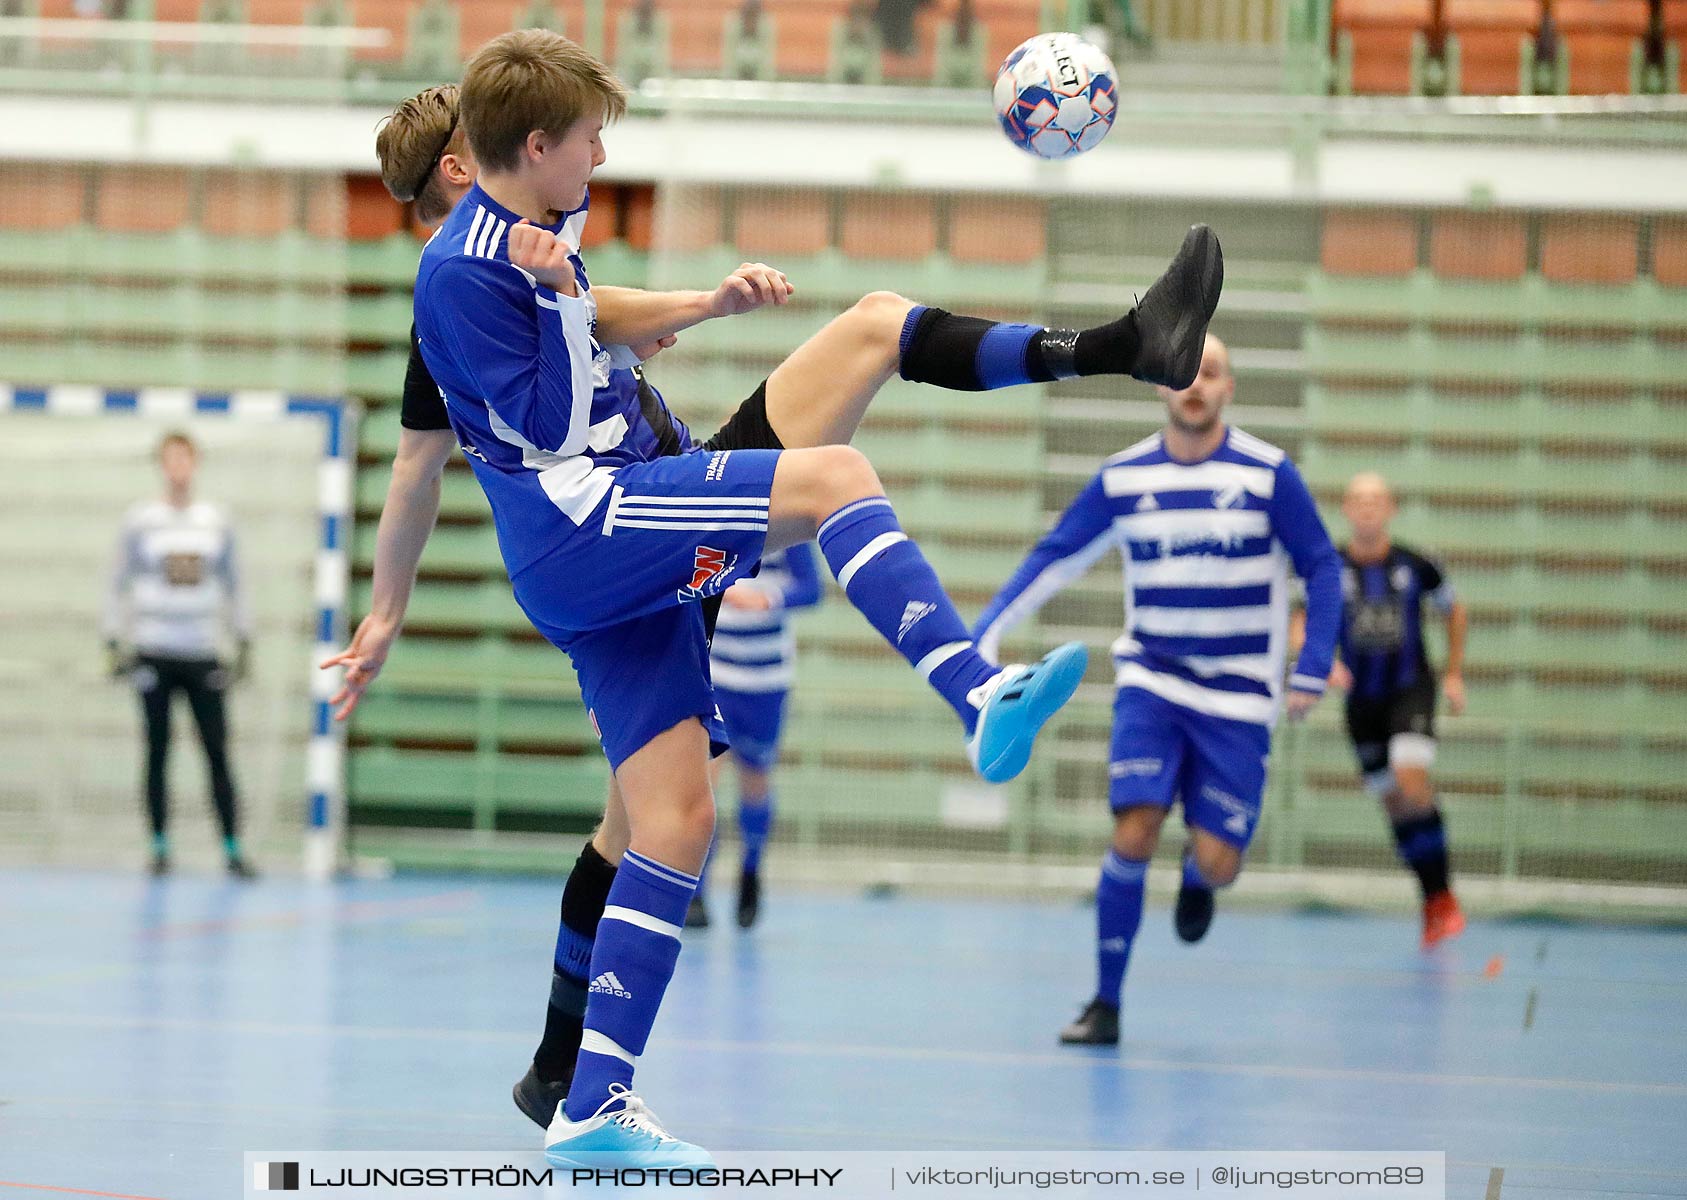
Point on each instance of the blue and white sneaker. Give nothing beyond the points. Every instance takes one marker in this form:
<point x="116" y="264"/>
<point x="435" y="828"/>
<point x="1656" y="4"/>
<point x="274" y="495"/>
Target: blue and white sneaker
<point x="1015" y="703"/>
<point x="630" y="1136"/>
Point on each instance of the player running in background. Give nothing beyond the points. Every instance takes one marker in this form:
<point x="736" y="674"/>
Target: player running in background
<point x="752" y="659"/>
<point x="815" y="399"/>
<point x="174" y="587"/>
<point x="1208" y="520"/>
<point x="1390" y="686"/>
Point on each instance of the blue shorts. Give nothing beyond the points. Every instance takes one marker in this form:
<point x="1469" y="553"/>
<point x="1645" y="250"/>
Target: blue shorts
<point x="1163" y="752"/>
<point x="753" y="724"/>
<point x="620" y="595"/>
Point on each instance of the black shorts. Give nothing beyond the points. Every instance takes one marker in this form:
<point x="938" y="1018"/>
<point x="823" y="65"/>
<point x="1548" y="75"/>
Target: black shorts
<point x="1375" y="723"/>
<point x="745" y="429"/>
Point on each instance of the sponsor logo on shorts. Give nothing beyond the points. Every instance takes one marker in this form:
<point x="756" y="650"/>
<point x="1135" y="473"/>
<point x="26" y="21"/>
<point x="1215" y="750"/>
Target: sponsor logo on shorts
<point x="1238" y="815"/>
<point x="710" y="570"/>
<point x="717" y="466"/>
<point x="1124" y="768"/>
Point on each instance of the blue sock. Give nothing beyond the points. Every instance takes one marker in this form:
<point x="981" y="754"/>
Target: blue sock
<point x="887" y="578"/>
<point x="1118" y="915"/>
<point x="755" y="821"/>
<point x="1192" y="877"/>
<point x="231" y="847"/>
<point x="632" y="962"/>
<point x="971" y="354"/>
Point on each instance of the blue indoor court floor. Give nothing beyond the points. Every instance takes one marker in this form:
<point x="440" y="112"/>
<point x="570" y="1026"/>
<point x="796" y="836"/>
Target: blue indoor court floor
<point x="150" y="1033"/>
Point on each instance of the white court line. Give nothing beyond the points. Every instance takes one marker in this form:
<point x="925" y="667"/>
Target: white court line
<point x="910" y="1053"/>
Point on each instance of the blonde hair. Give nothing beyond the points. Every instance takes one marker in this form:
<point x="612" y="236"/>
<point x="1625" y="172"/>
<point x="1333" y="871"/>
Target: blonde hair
<point x="410" y="143"/>
<point x="531" y="79"/>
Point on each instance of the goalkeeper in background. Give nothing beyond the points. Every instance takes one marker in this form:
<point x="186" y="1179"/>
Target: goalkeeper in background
<point x="174" y="583"/>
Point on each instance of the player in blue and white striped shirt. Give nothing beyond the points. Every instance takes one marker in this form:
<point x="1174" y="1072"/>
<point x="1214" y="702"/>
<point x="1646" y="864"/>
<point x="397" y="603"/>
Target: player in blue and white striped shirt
<point x="752" y="660"/>
<point x="1209" y="520"/>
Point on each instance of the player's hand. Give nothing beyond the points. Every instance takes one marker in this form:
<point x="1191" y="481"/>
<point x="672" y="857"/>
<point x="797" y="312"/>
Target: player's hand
<point x="749" y="599"/>
<point x="1300" y="703"/>
<point x="649" y="350"/>
<point x="1341" y="677"/>
<point x="363" y="660"/>
<point x="1452" y="687"/>
<point x="544" y="256"/>
<point x="748" y="288"/>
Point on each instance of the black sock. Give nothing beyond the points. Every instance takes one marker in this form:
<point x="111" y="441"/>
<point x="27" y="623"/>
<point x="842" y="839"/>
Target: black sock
<point x="971" y="354"/>
<point x="583" y="898"/>
<point x="1422" y="842"/>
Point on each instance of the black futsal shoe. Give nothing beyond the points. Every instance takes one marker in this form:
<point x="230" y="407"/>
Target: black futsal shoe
<point x="1097" y="1025"/>
<point x="1172" y="316"/>
<point x="749" y="898"/>
<point x="538" y="1099"/>
<point x="1194" y="912"/>
<point x="239" y="868"/>
<point x="160" y="866"/>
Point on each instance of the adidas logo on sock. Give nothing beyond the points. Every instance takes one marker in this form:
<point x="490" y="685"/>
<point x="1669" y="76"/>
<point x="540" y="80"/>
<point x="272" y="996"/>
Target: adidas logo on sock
<point x="1115" y="945"/>
<point x="609" y="986"/>
<point x="917" y="611"/>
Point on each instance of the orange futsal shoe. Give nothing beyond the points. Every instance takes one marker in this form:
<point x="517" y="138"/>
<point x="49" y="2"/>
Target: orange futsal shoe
<point x="1442" y="919"/>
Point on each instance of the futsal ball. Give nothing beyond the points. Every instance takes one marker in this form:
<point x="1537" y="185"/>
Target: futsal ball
<point x="1056" y="95"/>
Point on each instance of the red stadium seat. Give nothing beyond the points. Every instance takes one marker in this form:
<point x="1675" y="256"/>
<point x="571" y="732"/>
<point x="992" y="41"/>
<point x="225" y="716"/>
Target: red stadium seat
<point x="325" y="207"/>
<point x="42" y="197"/>
<point x="371" y="214"/>
<point x="639" y="202"/>
<point x="1588" y="249"/>
<point x="1465" y="245"/>
<point x="1672" y="17"/>
<point x="605" y="215"/>
<point x="1368" y="242"/>
<point x="1669" y="252"/>
<point x="483" y="20"/>
<point x="1605" y="41"/>
<point x="248" y="203"/>
<point x="690" y="219"/>
<point x="899" y="228"/>
<point x="985" y="229"/>
<point x="1387" y="38"/>
<point x="1494" y="41"/>
<point x="390" y="15"/>
<point x="143" y="199"/>
<point x="783" y="222"/>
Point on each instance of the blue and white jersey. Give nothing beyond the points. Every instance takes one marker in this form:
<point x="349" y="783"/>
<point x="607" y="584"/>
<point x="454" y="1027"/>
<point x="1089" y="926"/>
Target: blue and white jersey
<point x="541" y="409"/>
<point x="756" y="651"/>
<point x="1207" y="547"/>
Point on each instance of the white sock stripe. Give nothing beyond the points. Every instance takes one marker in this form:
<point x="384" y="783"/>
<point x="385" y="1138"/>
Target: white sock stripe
<point x="847" y="509"/>
<point x="632" y="916"/>
<point x="939" y="656"/>
<point x="1123" y="869"/>
<point x="672" y="874"/>
<point x="597" y="1043"/>
<point x="867" y="554"/>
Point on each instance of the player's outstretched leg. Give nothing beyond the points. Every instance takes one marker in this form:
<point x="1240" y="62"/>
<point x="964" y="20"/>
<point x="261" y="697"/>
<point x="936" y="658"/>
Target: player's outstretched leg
<point x="818" y="396"/>
<point x="665" y="787"/>
<point x="889" y="581"/>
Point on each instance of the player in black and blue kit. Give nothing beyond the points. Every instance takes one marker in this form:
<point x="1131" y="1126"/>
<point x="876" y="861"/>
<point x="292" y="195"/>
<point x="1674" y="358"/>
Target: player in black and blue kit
<point x="752" y="659"/>
<point x="1391" y="688"/>
<point x="610" y="544"/>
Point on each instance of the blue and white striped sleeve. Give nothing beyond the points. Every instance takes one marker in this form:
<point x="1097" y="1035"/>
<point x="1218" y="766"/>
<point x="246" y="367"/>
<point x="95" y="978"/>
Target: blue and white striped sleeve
<point x="1296" y="523"/>
<point x="528" y="351"/>
<point x="1082" y="535"/>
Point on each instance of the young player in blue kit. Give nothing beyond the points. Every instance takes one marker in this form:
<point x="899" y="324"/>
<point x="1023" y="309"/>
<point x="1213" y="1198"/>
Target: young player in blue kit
<point x="1208" y="520"/>
<point x="608" y="543"/>
<point x="752" y="659"/>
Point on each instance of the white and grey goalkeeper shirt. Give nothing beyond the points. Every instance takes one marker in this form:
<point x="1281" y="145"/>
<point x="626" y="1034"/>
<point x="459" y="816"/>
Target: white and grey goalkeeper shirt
<point x="174" y="580"/>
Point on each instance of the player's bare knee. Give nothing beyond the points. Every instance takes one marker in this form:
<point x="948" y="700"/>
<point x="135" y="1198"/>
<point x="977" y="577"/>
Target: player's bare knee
<point x="879" y="317"/>
<point x="841" y="475"/>
<point x="1219" y="863"/>
<point x="1136" y="832"/>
